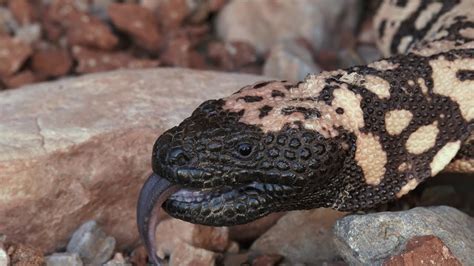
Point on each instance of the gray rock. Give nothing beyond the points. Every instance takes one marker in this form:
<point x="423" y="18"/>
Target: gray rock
<point x="266" y="22"/>
<point x="8" y="23"/>
<point x="60" y="259"/>
<point x="369" y="239"/>
<point x="80" y="148"/>
<point x="301" y="237"/>
<point x="92" y="244"/>
<point x="291" y="61"/>
<point x="29" y="33"/>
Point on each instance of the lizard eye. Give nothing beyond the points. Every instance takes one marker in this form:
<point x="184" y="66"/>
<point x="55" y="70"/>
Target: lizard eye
<point x="244" y="149"/>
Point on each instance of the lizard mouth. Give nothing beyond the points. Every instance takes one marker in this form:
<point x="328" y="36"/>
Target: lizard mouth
<point x="220" y="206"/>
<point x="225" y="205"/>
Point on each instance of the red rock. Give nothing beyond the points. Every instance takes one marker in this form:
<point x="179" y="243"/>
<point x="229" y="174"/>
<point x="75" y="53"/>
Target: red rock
<point x="177" y="52"/>
<point x="171" y="232"/>
<point x="66" y="12"/>
<point x="197" y="33"/>
<point x="23" y="255"/>
<point x="139" y="256"/>
<point x="13" y="53"/>
<point x="218" y="53"/>
<point x="137" y="21"/>
<point x="92" y="32"/>
<point x="81" y="28"/>
<point x="267" y="260"/>
<point x="424" y="250"/>
<point x="23" y="11"/>
<point x="251" y="231"/>
<point x="90" y="61"/>
<point x="20" y="79"/>
<point x="171" y="14"/>
<point x="232" y="55"/>
<point x="51" y="62"/>
<point x="52" y="30"/>
<point x="242" y="52"/>
<point x="186" y="254"/>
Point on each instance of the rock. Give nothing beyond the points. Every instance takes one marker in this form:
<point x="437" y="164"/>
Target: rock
<point x="91" y="137"/>
<point x="91" y="243"/>
<point x="29" y="34"/>
<point x="23" y="10"/>
<point x="8" y="23"/>
<point x="13" y="53"/>
<point x="81" y="28"/>
<point x="291" y="61"/>
<point x="267" y="260"/>
<point x="24" y="255"/>
<point x="186" y="254"/>
<point x="93" y="33"/>
<point x="90" y="61"/>
<point x="20" y="79"/>
<point x="137" y="21"/>
<point x="171" y="232"/>
<point x="171" y="14"/>
<point x="240" y="259"/>
<point x="139" y="256"/>
<point x="177" y="51"/>
<point x="51" y="62"/>
<point x="118" y="260"/>
<point x="266" y="22"/>
<point x="4" y="258"/>
<point x="424" y="250"/>
<point x="371" y="238"/>
<point x="301" y="237"/>
<point x="250" y="231"/>
<point x="98" y="8"/>
<point x="60" y="259"/>
<point x="233" y="247"/>
<point x="232" y="55"/>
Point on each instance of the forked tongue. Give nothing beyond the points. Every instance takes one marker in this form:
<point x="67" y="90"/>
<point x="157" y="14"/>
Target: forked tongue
<point x="154" y="192"/>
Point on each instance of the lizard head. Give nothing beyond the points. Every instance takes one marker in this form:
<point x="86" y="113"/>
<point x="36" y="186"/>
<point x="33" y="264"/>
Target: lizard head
<point x="233" y="170"/>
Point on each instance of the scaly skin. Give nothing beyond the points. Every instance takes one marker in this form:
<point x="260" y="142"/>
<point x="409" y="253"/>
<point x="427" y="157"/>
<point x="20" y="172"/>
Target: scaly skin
<point x="347" y="139"/>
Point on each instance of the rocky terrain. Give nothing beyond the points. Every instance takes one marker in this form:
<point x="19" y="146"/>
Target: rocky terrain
<point x="75" y="150"/>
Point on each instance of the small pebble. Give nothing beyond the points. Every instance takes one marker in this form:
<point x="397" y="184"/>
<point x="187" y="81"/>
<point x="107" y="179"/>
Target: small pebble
<point x="92" y="244"/>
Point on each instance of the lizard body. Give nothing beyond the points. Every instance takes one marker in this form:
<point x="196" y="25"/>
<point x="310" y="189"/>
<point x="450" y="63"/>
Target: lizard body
<point x="347" y="139"/>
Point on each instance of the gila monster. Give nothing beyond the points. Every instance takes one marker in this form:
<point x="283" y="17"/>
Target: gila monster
<point x="348" y="139"/>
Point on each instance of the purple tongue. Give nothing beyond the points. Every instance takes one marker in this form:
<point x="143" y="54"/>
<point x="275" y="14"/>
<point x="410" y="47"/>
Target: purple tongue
<point x="154" y="192"/>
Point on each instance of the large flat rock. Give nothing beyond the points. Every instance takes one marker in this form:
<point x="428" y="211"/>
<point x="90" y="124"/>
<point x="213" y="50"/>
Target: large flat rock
<point x="80" y="148"/>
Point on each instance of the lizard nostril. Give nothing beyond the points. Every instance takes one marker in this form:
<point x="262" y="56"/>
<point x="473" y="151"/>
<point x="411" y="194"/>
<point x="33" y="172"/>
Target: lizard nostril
<point x="177" y="156"/>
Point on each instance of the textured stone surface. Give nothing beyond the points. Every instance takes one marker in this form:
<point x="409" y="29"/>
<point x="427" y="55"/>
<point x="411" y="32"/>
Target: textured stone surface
<point x="266" y="22"/>
<point x="290" y="61"/>
<point x="369" y="239"/>
<point x="186" y="254"/>
<point x="51" y="62"/>
<point x="250" y="231"/>
<point x="118" y="260"/>
<point x="25" y="255"/>
<point x="92" y="244"/>
<point x="89" y="60"/>
<point x="137" y="21"/>
<point x="13" y="53"/>
<point x="301" y="237"/>
<point x="172" y="232"/>
<point x="424" y="250"/>
<point x="79" y="149"/>
<point x="61" y="259"/>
